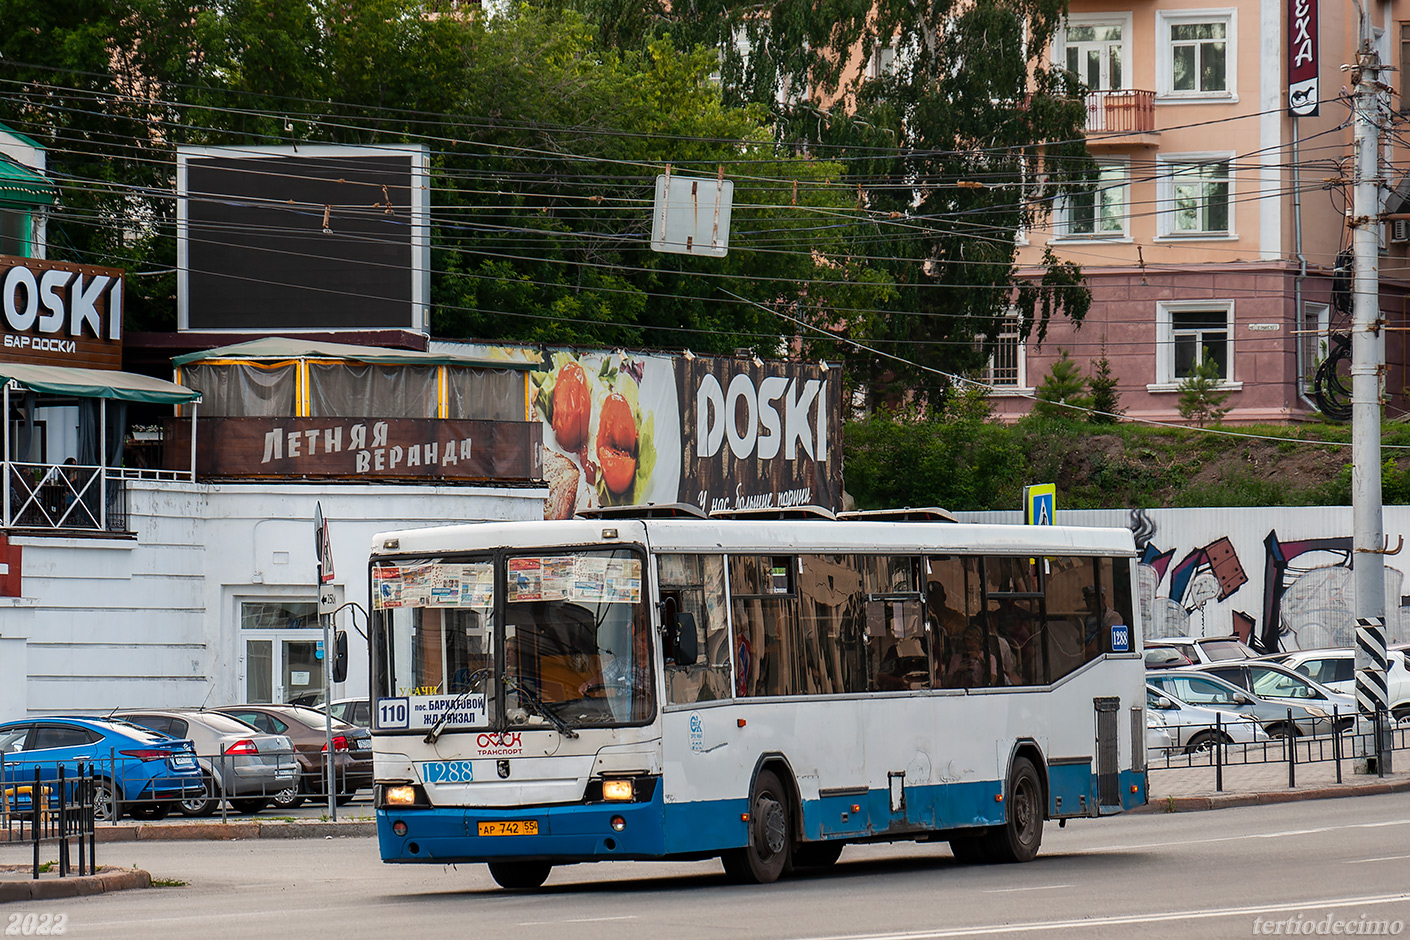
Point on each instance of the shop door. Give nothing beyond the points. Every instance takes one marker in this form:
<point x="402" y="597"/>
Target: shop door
<point x="280" y="644"/>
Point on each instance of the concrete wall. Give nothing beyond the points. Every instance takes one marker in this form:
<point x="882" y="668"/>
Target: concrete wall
<point x="154" y="620"/>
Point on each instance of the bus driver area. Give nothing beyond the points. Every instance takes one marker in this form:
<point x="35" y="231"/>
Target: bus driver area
<point x="685" y="688"/>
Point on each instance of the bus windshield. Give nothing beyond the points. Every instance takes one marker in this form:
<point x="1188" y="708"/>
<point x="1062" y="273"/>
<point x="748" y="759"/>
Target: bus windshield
<point x="556" y="638"/>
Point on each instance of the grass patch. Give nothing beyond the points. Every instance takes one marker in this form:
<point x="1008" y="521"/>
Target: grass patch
<point x="169" y="883"/>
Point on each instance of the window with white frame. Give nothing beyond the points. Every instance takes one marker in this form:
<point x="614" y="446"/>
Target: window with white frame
<point x="1197" y="54"/>
<point x="1007" y="369"/>
<point x="1095" y="48"/>
<point x="1195" y="196"/>
<point x="1189" y="333"/>
<point x="1098" y="209"/>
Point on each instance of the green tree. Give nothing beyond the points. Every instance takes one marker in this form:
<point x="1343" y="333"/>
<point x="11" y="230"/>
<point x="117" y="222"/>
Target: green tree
<point x="1106" y="402"/>
<point x="1063" y="391"/>
<point x="943" y="143"/>
<point x="1200" y="394"/>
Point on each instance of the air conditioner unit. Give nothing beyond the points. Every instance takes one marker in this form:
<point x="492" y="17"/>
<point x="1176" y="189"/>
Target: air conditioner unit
<point x="1400" y="230"/>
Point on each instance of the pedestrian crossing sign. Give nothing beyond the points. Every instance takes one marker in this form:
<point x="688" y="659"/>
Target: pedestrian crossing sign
<point x="1039" y="504"/>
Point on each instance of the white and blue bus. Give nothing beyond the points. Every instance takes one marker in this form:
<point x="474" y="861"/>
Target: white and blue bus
<point x="763" y="691"/>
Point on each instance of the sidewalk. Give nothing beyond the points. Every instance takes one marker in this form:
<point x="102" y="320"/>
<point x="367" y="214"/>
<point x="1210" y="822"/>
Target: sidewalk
<point x="1181" y="789"/>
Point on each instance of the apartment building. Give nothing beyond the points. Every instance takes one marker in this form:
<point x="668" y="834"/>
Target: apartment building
<point x="1215" y="228"/>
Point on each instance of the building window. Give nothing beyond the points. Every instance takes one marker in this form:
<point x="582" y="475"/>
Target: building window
<point x="1093" y="51"/>
<point x="1007" y="369"/>
<point x="1197" y="54"/>
<point x="1188" y="333"/>
<point x="1098" y="209"/>
<point x="15" y="231"/>
<point x="1195" y="197"/>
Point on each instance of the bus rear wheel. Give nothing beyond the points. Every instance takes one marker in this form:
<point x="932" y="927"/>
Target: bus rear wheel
<point x="1018" y="839"/>
<point x="520" y="876"/>
<point x="768" y="854"/>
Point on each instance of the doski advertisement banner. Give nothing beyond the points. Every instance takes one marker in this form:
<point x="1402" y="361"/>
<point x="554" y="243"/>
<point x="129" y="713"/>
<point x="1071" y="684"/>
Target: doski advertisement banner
<point x="722" y="434"/>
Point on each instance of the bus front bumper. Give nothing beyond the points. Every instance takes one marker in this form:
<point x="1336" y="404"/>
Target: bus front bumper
<point x="565" y="833"/>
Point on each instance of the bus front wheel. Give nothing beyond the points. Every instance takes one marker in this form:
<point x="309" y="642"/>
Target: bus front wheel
<point x="520" y="876"/>
<point x="767" y="856"/>
<point x="1017" y="840"/>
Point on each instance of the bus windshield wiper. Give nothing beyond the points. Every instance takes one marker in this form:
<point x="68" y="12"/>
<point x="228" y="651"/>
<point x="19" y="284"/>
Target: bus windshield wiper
<point x="455" y="703"/>
<point x="513" y="684"/>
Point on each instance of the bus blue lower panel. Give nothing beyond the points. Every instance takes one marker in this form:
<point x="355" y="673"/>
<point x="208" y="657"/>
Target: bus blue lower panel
<point x="655" y="829"/>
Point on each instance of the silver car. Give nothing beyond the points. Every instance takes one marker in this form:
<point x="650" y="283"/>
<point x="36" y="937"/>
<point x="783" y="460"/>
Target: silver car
<point x="1280" y="684"/>
<point x="1196" y="727"/>
<point x="1201" y="688"/>
<point x="240" y="763"/>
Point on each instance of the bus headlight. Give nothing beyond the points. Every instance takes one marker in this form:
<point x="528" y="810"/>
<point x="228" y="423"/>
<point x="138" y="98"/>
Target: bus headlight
<point x="618" y="790"/>
<point x="402" y="796"/>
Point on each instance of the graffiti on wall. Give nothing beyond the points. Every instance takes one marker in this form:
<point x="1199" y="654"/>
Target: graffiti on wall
<point x="1308" y="595"/>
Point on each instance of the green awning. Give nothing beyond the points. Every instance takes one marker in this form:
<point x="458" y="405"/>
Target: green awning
<point x="97" y="383"/>
<point x="281" y="347"/>
<point x="21" y="184"/>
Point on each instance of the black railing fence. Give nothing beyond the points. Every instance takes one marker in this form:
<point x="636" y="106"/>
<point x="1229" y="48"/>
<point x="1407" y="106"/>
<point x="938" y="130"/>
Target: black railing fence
<point x="52" y="811"/>
<point x="1339" y="739"/>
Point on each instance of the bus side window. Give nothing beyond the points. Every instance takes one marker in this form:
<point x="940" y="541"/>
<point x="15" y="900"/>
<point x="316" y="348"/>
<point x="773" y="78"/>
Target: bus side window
<point x="832" y="622"/>
<point x="697" y="584"/>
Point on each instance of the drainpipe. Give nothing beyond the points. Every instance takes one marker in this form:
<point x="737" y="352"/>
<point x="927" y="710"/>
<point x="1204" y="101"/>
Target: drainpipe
<point x="1298" y="319"/>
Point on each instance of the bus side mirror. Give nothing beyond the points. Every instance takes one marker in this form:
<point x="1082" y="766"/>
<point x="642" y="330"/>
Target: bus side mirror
<point x="683" y="644"/>
<point x="340" y="656"/>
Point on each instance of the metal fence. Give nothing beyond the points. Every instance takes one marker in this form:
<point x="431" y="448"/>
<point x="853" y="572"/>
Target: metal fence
<point x="71" y="496"/>
<point x="192" y="784"/>
<point x="56" y="811"/>
<point x="1213" y="746"/>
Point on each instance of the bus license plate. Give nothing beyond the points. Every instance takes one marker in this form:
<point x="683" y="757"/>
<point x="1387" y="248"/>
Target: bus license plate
<point x="510" y="827"/>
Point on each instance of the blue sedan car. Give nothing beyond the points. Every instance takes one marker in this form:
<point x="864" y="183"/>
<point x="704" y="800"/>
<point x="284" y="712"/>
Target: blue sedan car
<point x="143" y="773"/>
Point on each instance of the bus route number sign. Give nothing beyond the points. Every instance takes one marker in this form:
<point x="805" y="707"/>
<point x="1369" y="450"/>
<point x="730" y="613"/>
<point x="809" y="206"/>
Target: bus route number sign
<point x="393" y="713"/>
<point x="1120" y="638"/>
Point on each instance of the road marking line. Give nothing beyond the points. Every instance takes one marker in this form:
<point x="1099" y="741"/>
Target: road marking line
<point x="1116" y="921"/>
<point x="578" y="920"/>
<point x="1385" y="858"/>
<point x="1030" y="888"/>
<point x="1254" y="835"/>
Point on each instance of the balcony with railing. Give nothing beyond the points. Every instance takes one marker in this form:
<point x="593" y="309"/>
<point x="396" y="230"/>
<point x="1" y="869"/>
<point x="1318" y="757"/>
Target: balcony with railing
<point x="1121" y="116"/>
<point x="71" y="497"/>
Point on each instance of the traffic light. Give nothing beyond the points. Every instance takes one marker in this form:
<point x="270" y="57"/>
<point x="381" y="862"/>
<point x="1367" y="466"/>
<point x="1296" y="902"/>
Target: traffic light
<point x="340" y="656"/>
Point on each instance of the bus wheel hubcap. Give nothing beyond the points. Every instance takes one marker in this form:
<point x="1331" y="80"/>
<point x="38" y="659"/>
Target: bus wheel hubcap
<point x="772" y="829"/>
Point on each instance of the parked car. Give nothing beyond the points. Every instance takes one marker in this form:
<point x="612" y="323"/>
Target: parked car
<point x="1201" y="688"/>
<point x="1158" y="740"/>
<point x="1280" y="684"/>
<point x="1166" y="657"/>
<point x="1336" y="669"/>
<point x="355" y="711"/>
<point x="1204" y="649"/>
<point x="240" y="762"/>
<point x="1197" y="727"/>
<point x="352" y="749"/>
<point x="143" y="773"/>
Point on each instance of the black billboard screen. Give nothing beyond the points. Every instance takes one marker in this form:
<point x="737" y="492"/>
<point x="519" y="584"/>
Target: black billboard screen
<point x="326" y="238"/>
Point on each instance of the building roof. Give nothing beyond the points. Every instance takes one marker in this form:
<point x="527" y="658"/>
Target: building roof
<point x="21" y="184"/>
<point x="22" y="138"/>
<point x="97" y="383"/>
<point x="282" y="347"/>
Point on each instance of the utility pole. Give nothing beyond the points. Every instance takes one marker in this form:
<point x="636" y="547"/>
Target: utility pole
<point x="1367" y="526"/>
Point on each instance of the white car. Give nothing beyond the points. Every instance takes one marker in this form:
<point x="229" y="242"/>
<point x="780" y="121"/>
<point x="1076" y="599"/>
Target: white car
<point x="1203" y="649"/>
<point x="1336" y="669"/>
<point x="1197" y="728"/>
<point x="1158" y="739"/>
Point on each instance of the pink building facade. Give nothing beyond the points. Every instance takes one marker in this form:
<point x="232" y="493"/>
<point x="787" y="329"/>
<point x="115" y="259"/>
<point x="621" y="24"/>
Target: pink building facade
<point x="1215" y="228"/>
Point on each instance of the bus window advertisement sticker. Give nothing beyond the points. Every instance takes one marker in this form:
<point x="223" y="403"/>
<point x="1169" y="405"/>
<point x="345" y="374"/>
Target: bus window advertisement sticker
<point x="525" y="579"/>
<point x="386" y="587"/>
<point x="426" y="710"/>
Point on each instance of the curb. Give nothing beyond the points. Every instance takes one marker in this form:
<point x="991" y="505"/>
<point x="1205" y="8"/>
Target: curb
<point x="113" y="879"/>
<point x="224" y="832"/>
<point x="1185" y="804"/>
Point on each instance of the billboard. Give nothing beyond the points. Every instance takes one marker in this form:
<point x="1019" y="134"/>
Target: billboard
<point x="314" y="238"/>
<point x="57" y="314"/>
<point x="624" y="429"/>
<point x="1303" y="92"/>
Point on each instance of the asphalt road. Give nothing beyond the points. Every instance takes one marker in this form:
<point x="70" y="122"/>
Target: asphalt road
<point x="1192" y="875"/>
